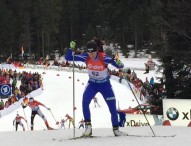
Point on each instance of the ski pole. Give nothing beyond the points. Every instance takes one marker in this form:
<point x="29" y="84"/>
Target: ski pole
<point x="141" y="109"/>
<point x="73" y="97"/>
<point x="25" y="119"/>
<point x="53" y="117"/>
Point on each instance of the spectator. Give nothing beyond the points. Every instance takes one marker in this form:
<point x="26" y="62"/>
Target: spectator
<point x="14" y="83"/>
<point x="40" y="83"/>
<point x="120" y="75"/>
<point x="7" y="104"/>
<point x="128" y="75"/>
<point x="133" y="76"/>
<point x="2" y="104"/>
<point x="146" y="68"/>
<point x="40" y="62"/>
<point x="16" y="92"/>
<point x="22" y="88"/>
<point x="151" y="82"/>
<point x="13" y="99"/>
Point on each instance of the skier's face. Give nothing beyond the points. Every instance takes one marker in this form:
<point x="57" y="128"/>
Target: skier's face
<point x="31" y="100"/>
<point x="92" y="55"/>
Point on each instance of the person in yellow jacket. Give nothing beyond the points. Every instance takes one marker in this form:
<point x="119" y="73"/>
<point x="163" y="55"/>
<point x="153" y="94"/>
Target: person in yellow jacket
<point x="71" y="120"/>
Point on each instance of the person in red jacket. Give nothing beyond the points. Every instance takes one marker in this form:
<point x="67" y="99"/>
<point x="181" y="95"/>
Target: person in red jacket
<point x="34" y="105"/>
<point x="17" y="121"/>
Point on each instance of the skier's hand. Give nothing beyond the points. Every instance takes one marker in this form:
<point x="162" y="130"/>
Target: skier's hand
<point x="72" y="45"/>
<point x="23" y="105"/>
<point x="48" y="108"/>
<point x="119" y="63"/>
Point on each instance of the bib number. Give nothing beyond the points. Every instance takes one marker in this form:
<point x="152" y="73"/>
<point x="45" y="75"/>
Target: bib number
<point x="95" y="73"/>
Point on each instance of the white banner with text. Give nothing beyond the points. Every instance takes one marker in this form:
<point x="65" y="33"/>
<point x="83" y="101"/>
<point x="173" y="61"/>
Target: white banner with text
<point x="177" y="111"/>
<point x="138" y="120"/>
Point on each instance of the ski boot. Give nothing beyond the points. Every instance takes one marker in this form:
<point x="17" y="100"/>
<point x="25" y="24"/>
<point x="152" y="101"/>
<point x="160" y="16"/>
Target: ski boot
<point x="116" y="132"/>
<point x="47" y="125"/>
<point x="88" y="129"/>
<point x="50" y="128"/>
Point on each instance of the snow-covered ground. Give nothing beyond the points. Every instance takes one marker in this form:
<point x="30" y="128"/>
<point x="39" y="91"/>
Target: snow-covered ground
<point x="58" y="95"/>
<point x="45" y="138"/>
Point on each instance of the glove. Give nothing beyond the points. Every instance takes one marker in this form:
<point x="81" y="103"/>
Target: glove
<point x="47" y="108"/>
<point x="72" y="44"/>
<point x="119" y="63"/>
<point x="23" y="106"/>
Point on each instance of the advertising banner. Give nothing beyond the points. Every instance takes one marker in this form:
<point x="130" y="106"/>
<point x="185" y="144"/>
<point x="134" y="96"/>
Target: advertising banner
<point x="177" y="111"/>
<point x="137" y="120"/>
<point x="5" y="89"/>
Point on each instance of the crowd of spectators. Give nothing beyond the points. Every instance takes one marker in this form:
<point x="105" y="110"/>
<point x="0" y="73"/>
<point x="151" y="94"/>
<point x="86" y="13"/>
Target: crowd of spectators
<point x="28" y="83"/>
<point x="153" y="91"/>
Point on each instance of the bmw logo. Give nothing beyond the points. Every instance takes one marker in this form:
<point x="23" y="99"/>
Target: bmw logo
<point x="172" y="113"/>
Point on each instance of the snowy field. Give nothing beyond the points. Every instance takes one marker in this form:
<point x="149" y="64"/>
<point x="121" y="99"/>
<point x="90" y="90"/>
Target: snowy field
<point x="45" y="138"/>
<point x="58" y="95"/>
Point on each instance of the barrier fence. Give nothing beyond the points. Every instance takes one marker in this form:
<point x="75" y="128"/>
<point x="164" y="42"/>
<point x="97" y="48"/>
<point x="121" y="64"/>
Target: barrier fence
<point x="43" y="67"/>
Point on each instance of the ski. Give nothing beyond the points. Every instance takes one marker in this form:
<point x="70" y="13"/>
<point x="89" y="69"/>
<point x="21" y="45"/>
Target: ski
<point x="50" y="129"/>
<point x="83" y="137"/>
<point x="75" y="138"/>
<point x="129" y="135"/>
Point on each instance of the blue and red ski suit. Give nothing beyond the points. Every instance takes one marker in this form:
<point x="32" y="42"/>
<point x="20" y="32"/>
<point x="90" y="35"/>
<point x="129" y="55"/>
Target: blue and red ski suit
<point x="98" y="82"/>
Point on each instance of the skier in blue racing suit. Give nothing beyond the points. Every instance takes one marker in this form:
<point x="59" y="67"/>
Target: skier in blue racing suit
<point x="96" y="63"/>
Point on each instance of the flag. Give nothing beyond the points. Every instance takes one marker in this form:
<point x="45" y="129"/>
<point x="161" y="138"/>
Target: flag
<point x="22" y="51"/>
<point x="47" y="57"/>
<point x="116" y="56"/>
<point x="8" y="59"/>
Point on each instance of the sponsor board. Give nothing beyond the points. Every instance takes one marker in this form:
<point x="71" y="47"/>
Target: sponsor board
<point x="137" y="120"/>
<point x="177" y="111"/>
<point x="5" y="90"/>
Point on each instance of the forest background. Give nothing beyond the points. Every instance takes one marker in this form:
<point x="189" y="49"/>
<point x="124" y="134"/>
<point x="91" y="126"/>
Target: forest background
<point x="45" y="26"/>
